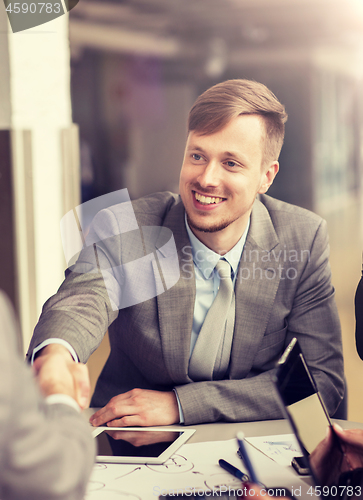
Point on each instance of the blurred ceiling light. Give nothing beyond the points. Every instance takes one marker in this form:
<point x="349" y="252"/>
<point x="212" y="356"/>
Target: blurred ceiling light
<point x="105" y="37"/>
<point x="104" y="11"/>
<point x="216" y="62"/>
<point x="255" y="34"/>
<point x="124" y="14"/>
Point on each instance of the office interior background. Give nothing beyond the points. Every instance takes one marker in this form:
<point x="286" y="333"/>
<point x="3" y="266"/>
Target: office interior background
<point x="97" y="100"/>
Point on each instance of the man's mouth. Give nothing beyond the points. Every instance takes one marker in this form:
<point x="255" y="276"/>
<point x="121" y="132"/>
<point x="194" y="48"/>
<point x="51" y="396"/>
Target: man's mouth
<point x="207" y="200"/>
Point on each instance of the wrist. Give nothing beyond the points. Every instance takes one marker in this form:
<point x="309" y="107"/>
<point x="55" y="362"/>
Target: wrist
<point x="62" y="399"/>
<point x="55" y="349"/>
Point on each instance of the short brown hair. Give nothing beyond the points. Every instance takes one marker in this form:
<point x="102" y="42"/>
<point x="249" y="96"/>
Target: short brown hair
<point x="224" y="101"/>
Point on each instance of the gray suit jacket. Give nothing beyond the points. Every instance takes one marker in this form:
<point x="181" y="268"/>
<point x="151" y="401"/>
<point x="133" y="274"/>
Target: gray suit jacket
<point x="283" y="289"/>
<point x="46" y="451"/>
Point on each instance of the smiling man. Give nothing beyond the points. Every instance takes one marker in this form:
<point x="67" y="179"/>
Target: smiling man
<point x="221" y="175"/>
<point x="254" y="273"/>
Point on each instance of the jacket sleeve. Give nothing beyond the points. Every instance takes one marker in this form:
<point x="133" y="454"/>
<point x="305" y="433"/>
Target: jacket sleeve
<point x="46" y="451"/>
<point x="83" y="308"/>
<point x="314" y="320"/>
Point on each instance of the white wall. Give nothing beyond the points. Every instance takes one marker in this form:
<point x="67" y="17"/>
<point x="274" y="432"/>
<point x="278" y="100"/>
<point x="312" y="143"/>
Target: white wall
<point x="36" y="107"/>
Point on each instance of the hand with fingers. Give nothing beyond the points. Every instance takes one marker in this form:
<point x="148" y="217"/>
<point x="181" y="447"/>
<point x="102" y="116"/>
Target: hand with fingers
<point x="138" y="407"/>
<point x="328" y="461"/>
<point x="57" y="373"/>
<point x="352" y="443"/>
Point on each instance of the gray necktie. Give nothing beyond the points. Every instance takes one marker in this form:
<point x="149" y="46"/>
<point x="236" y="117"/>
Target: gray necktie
<point x="210" y="356"/>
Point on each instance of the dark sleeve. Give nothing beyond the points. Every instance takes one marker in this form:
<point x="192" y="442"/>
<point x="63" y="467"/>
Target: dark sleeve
<point x="359" y="318"/>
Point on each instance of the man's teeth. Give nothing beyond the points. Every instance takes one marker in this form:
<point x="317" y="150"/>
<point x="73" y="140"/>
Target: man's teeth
<point x="207" y="200"/>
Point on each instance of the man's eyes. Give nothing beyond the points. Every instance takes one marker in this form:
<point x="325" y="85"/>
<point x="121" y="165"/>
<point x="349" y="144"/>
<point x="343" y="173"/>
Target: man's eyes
<point x="233" y="165"/>
<point x="228" y="163"/>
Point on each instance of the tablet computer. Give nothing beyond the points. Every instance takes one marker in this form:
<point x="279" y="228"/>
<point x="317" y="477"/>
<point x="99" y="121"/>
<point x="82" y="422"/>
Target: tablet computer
<point x="302" y="402"/>
<point x="138" y="445"/>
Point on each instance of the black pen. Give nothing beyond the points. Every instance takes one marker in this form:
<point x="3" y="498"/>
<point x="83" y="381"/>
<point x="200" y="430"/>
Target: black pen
<point x="233" y="470"/>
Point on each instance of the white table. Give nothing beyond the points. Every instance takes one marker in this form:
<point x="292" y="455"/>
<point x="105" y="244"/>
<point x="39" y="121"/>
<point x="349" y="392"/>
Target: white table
<point x="103" y="485"/>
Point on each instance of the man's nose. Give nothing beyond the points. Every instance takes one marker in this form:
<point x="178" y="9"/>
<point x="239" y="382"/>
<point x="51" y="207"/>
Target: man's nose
<point x="210" y="176"/>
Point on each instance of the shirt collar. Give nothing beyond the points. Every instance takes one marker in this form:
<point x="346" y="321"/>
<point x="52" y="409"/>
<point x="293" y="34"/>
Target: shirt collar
<point x="206" y="260"/>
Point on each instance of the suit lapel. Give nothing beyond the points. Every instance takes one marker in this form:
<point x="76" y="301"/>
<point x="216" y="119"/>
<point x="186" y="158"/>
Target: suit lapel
<point x="176" y="305"/>
<point x="256" y="287"/>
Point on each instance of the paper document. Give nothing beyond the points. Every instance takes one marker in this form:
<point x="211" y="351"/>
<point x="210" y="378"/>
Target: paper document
<point x="192" y="469"/>
<point x="282" y="449"/>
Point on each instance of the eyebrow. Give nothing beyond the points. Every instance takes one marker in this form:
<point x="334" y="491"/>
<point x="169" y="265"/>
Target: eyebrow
<point x="230" y="153"/>
<point x="224" y="153"/>
<point x="196" y="148"/>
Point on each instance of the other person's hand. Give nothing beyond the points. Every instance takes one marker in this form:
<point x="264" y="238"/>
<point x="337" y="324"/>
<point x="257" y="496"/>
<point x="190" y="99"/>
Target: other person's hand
<point x="328" y="462"/>
<point x="58" y="373"/>
<point x="138" y="407"/>
<point x="352" y="444"/>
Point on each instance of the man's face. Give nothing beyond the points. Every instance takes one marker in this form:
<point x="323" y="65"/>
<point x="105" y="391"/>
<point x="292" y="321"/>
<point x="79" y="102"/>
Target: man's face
<point x="220" y="178"/>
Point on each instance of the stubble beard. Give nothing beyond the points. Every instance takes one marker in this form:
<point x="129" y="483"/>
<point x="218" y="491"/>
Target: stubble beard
<point x="209" y="228"/>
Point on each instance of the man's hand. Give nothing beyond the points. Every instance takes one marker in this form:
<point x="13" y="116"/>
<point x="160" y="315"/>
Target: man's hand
<point x="58" y="373"/>
<point x="327" y="460"/>
<point x="139" y="407"/>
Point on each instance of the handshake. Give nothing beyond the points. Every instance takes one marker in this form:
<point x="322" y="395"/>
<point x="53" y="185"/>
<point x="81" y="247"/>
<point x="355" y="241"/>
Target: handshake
<point x="57" y="373"/>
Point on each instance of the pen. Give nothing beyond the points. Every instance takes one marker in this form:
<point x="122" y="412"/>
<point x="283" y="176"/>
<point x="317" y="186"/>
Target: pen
<point x="246" y="458"/>
<point x="233" y="470"/>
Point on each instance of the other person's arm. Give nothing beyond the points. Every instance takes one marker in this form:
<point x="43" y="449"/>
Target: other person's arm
<point x="46" y="450"/>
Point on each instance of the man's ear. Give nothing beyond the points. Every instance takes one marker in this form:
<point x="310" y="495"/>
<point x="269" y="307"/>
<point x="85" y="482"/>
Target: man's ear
<point x="268" y="176"/>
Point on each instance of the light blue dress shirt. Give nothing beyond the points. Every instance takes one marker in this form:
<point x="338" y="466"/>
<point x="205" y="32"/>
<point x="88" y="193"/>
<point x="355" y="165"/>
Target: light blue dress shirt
<point x="206" y="278"/>
<point x="207" y="282"/>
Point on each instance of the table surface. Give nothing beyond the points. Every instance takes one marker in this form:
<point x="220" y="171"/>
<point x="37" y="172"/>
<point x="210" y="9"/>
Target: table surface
<point x="222" y="431"/>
